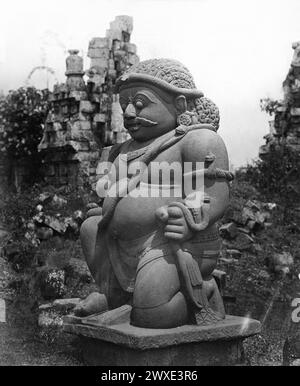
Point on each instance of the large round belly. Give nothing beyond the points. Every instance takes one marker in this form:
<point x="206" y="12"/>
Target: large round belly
<point x="135" y="217"/>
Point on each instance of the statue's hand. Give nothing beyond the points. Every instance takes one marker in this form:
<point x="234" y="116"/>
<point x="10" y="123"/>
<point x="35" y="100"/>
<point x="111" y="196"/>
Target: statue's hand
<point x="94" y="212"/>
<point x="176" y="227"/>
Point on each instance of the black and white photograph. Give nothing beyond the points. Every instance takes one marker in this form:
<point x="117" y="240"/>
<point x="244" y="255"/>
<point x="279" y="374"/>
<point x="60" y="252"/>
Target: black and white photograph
<point x="149" y="186"/>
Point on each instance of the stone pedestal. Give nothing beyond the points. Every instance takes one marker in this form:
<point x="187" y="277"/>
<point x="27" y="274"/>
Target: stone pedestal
<point x="124" y="345"/>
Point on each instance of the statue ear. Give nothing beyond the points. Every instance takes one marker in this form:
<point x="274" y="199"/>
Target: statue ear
<point x="180" y="104"/>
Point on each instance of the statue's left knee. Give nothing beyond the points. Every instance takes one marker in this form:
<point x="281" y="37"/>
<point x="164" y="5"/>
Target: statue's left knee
<point x="171" y="314"/>
<point x="156" y="283"/>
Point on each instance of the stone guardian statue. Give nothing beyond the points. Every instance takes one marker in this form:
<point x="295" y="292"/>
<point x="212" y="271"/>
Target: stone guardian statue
<point x="154" y="244"/>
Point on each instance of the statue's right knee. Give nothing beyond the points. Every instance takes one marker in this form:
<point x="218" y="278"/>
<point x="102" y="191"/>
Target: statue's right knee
<point x="88" y="235"/>
<point x="156" y="283"/>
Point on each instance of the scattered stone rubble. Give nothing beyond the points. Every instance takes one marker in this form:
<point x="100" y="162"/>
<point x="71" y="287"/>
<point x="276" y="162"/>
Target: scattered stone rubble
<point x="239" y="236"/>
<point x="282" y="262"/>
<point x="85" y="116"/>
<point x="254" y="216"/>
<point x="51" y="238"/>
<point x="43" y="226"/>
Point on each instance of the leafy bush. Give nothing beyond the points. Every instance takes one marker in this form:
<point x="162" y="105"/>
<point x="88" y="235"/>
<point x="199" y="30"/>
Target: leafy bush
<point x="276" y="177"/>
<point x="275" y="174"/>
<point x="269" y="105"/>
<point x="22" y="115"/>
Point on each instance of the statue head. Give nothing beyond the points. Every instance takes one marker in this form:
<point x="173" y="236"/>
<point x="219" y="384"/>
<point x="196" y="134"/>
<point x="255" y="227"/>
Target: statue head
<point x="157" y="95"/>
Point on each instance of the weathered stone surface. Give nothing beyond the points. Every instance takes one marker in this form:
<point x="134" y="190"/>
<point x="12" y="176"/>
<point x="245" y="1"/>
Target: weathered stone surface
<point x="190" y="345"/>
<point x="79" y="269"/>
<point x="74" y="63"/>
<point x="220" y="277"/>
<point x="223" y="353"/>
<point x="59" y="201"/>
<point x="72" y="224"/>
<point x="253" y="217"/>
<point x="227" y="260"/>
<point x="282" y="262"/>
<point x="66" y="304"/>
<point x="96" y="43"/>
<point x="78" y="216"/>
<point x="63" y="305"/>
<point x="236" y="217"/>
<point x="55" y="223"/>
<point x="91" y="205"/>
<point x="94" y="303"/>
<point x="243" y="242"/>
<point x="143" y="338"/>
<point x="99" y="52"/>
<point x="45" y="197"/>
<point x="100" y="118"/>
<point x="133" y="59"/>
<point x="98" y="63"/>
<point x="79" y="146"/>
<point x="233" y="253"/>
<point x="228" y="230"/>
<point x="130" y="47"/>
<point x="86" y="107"/>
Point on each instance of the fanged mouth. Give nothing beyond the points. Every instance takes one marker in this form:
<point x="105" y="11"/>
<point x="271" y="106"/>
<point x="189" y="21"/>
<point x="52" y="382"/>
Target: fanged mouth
<point x="137" y="123"/>
<point x="133" y="128"/>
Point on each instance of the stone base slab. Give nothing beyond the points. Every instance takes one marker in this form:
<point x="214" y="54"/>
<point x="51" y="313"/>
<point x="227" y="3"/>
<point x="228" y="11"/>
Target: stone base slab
<point x="190" y="345"/>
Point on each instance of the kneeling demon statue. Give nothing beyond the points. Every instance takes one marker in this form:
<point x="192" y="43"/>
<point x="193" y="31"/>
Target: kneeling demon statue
<point x="154" y="243"/>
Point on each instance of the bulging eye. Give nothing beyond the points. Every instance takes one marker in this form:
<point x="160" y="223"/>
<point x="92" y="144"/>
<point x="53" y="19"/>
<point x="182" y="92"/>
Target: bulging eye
<point x="139" y="105"/>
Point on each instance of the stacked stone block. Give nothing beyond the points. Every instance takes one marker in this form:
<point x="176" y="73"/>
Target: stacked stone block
<point x="110" y="57"/>
<point x="70" y="151"/>
<point x="84" y="116"/>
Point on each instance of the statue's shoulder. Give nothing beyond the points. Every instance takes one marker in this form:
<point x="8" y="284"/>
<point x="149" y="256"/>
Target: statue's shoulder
<point x="197" y="143"/>
<point x="202" y="137"/>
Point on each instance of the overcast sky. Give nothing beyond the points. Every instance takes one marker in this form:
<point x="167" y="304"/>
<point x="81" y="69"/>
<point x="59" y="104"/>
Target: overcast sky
<point x="238" y="50"/>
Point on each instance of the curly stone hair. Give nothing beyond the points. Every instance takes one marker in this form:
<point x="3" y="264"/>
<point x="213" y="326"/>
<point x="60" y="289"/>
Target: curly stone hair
<point x="168" y="70"/>
<point x="207" y="112"/>
<point x="173" y="76"/>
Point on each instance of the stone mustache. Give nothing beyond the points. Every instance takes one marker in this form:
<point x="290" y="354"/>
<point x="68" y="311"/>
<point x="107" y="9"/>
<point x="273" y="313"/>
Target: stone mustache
<point x="157" y="254"/>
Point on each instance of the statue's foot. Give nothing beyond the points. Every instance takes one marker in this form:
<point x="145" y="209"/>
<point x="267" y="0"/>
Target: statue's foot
<point x="214" y="297"/>
<point x="92" y="304"/>
<point x="111" y="317"/>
